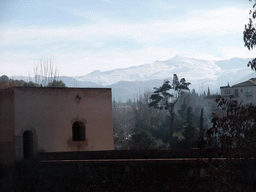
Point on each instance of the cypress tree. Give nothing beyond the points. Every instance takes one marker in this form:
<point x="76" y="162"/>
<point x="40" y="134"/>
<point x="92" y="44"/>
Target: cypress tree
<point x="190" y="132"/>
<point x="208" y="92"/>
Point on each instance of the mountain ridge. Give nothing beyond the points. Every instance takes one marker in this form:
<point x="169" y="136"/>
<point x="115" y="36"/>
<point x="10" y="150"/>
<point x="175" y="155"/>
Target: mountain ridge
<point x="127" y="82"/>
<point x="155" y="70"/>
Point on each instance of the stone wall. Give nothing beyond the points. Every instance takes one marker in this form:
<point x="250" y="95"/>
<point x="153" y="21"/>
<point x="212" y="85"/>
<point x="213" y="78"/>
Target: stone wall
<point x="7" y="124"/>
<point x="48" y="116"/>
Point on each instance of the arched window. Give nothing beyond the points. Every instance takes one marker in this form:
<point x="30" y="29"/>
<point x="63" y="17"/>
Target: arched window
<point x="28" y="147"/>
<point x="78" y="131"/>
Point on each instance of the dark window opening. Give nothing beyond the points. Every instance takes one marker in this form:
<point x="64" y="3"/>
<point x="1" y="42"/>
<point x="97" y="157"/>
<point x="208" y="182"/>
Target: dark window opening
<point x="228" y="91"/>
<point x="248" y="93"/>
<point x="236" y="93"/>
<point x="78" y="131"/>
<point x="28" y="144"/>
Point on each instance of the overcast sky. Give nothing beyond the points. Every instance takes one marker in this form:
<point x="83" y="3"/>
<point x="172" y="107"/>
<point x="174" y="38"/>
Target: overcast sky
<point x="81" y="36"/>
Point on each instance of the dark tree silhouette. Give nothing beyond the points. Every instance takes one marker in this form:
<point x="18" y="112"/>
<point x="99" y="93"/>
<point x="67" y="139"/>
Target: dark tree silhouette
<point x="56" y="83"/>
<point x="141" y="139"/>
<point x="166" y="96"/>
<point x="208" y="92"/>
<point x="233" y="135"/>
<point x="190" y="131"/>
<point x="6" y="82"/>
<point x="250" y="35"/>
<point x="201" y="124"/>
<point x="235" y="128"/>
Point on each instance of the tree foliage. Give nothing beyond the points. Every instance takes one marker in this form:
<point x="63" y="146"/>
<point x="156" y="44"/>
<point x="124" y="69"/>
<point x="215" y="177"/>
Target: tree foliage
<point x="166" y="96"/>
<point x="6" y="82"/>
<point x="190" y="132"/>
<point x="187" y="127"/>
<point x="236" y="128"/>
<point x="233" y="135"/>
<point x="56" y="83"/>
<point x="134" y="119"/>
<point x="45" y="76"/>
<point x="135" y="116"/>
<point x="141" y="139"/>
<point x="250" y="34"/>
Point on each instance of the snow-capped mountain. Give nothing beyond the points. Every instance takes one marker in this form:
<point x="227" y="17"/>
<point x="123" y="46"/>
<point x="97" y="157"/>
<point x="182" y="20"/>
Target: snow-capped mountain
<point x="192" y="69"/>
<point x="130" y="82"/>
<point x="198" y="72"/>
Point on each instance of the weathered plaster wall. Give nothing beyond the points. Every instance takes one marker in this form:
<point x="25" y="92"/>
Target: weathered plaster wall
<point x="7" y="126"/>
<point x="245" y="99"/>
<point x="50" y="112"/>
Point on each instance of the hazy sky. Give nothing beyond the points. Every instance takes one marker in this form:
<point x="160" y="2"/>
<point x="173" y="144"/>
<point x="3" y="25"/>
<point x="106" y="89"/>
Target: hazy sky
<point x="81" y="36"/>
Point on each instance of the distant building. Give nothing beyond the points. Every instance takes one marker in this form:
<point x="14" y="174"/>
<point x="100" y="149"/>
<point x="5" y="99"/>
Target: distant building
<point x="244" y="92"/>
<point x="38" y="119"/>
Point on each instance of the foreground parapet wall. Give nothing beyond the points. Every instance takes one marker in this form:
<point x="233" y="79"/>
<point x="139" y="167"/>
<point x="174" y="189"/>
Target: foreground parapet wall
<point x="176" y="174"/>
<point x="148" y="154"/>
<point x="133" y="170"/>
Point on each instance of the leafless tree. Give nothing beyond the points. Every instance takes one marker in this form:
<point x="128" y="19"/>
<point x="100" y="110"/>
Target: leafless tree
<point x="45" y="72"/>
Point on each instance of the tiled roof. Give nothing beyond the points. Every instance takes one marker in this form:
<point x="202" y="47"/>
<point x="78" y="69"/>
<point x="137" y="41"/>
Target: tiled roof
<point x="251" y="82"/>
<point x="225" y="87"/>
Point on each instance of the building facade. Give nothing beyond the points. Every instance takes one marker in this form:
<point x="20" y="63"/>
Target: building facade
<point x="244" y="92"/>
<point x="37" y="119"/>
